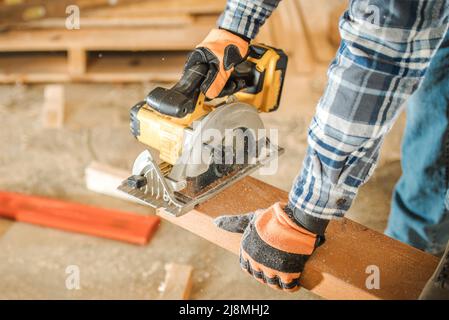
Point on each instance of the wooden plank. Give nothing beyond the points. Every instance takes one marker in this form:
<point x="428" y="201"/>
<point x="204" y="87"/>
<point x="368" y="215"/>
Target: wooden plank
<point x="53" y="108"/>
<point x="178" y="20"/>
<point x="192" y="7"/>
<point x="338" y="268"/>
<point x="122" y="67"/>
<point x="32" y="68"/>
<point x="142" y="66"/>
<point x="14" y="11"/>
<point x="130" y="13"/>
<point x="77" y="61"/>
<point x="102" y="178"/>
<point x="75" y="217"/>
<point x="105" y="39"/>
<point x="178" y="282"/>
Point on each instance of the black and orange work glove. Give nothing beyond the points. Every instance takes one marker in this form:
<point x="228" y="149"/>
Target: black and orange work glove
<point x="221" y="50"/>
<point x="274" y="248"/>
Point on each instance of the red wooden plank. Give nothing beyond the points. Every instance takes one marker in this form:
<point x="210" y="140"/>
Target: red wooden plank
<point x="70" y="216"/>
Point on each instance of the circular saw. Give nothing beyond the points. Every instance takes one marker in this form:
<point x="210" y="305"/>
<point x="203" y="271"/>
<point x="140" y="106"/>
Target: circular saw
<point x="198" y="147"/>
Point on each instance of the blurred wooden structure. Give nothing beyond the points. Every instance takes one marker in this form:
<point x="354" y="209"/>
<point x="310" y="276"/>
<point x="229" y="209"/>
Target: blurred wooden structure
<point x="15" y="12"/>
<point x="136" y="40"/>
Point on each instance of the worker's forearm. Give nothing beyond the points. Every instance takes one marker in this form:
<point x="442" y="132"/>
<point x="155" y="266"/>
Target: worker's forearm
<point x="245" y="17"/>
<point x="381" y="62"/>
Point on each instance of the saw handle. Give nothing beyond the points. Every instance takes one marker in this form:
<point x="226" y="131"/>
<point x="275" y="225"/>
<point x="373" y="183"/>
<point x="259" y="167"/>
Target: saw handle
<point x="243" y="76"/>
<point x="181" y="99"/>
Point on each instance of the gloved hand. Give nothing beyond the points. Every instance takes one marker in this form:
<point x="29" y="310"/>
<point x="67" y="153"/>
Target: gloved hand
<point x="274" y="248"/>
<point x="221" y="50"/>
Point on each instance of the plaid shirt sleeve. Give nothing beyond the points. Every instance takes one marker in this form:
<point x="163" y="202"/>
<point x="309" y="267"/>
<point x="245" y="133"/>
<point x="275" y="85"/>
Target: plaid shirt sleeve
<point x="385" y="50"/>
<point x="245" y="17"/>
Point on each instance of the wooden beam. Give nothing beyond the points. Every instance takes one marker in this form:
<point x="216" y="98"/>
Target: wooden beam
<point x="110" y="67"/>
<point x="77" y="61"/>
<point x="14" y="11"/>
<point x="141" y="66"/>
<point x="148" y="8"/>
<point x="114" y="39"/>
<point x="178" y="282"/>
<point x="338" y="269"/>
<point x="105" y="179"/>
<point x="53" y="108"/>
<point x="178" y="20"/>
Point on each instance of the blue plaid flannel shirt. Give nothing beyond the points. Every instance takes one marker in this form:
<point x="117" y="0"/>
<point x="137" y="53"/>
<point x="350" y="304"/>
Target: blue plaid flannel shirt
<point x="385" y="50"/>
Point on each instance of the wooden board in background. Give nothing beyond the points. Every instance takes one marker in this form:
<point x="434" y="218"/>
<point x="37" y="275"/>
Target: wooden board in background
<point x="178" y="282"/>
<point x="101" y="67"/>
<point x="99" y="39"/>
<point x="179" y="20"/>
<point x="192" y="7"/>
<point x="53" y="107"/>
<point x="13" y="11"/>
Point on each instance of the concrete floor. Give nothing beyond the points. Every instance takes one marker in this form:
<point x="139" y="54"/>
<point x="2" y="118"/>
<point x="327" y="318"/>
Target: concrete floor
<point x="51" y="162"/>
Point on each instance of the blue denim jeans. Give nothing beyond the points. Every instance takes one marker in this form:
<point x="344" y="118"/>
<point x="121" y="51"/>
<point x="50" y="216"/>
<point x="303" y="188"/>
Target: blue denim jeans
<point x="419" y="212"/>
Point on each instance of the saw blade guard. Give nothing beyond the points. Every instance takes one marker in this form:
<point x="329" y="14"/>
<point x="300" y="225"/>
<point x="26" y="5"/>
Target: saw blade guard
<point x="209" y="134"/>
